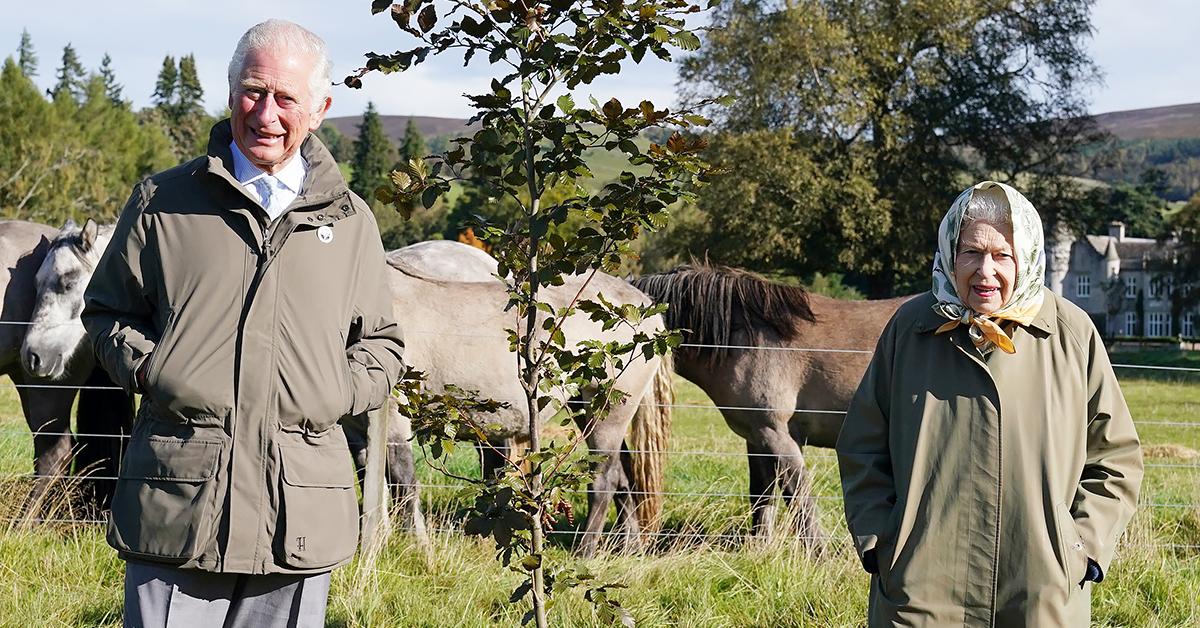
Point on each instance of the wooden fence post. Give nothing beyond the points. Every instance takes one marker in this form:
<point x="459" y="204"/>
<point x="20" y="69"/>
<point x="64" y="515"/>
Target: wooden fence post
<point x="376" y="524"/>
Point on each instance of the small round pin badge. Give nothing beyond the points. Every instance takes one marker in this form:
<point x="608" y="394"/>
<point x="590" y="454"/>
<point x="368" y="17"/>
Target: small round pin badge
<point x="325" y="234"/>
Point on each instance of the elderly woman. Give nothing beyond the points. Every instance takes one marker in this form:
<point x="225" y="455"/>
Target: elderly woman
<point x="988" y="460"/>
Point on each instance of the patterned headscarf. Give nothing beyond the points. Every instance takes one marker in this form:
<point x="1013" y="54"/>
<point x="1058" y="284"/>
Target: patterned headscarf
<point x="1028" y="249"/>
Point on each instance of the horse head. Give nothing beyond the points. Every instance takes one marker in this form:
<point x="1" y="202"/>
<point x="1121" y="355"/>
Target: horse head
<point x="56" y="338"/>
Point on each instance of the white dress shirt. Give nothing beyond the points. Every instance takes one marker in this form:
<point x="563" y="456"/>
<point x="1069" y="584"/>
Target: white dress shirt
<point x="274" y="192"/>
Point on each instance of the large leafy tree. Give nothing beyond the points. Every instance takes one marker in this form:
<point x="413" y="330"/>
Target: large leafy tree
<point x="64" y="159"/>
<point x="856" y="123"/>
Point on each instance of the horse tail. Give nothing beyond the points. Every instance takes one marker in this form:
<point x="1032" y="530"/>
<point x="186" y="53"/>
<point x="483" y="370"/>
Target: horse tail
<point x="650" y="430"/>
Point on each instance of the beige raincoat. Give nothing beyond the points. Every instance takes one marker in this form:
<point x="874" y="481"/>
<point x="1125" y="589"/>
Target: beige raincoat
<point x="984" y="483"/>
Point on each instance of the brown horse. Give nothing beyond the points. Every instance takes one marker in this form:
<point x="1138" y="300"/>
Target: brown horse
<point x="781" y="363"/>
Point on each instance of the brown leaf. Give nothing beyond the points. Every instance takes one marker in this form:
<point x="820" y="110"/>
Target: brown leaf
<point x="427" y="18"/>
<point x="612" y="109"/>
<point x="676" y="143"/>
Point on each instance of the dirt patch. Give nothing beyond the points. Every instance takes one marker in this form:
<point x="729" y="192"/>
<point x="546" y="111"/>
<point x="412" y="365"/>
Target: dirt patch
<point x="1170" y="451"/>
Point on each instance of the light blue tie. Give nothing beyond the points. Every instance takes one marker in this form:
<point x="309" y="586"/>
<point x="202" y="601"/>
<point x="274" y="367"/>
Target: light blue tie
<point x="266" y="190"/>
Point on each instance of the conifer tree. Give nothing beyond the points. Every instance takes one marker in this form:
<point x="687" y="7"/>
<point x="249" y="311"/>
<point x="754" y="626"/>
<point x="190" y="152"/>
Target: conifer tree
<point x="70" y="77"/>
<point x="26" y="59"/>
<point x="112" y="88"/>
<point x="374" y="155"/>
<point x="412" y="146"/>
<point x="189" y="91"/>
<point x="165" y="87"/>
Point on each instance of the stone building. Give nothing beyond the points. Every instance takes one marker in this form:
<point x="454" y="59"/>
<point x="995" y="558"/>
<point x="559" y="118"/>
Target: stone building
<point x="1123" y="282"/>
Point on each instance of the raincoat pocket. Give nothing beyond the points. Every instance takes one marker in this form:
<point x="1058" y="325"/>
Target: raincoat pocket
<point x="164" y="504"/>
<point x="319" y="511"/>
<point x="1074" y="554"/>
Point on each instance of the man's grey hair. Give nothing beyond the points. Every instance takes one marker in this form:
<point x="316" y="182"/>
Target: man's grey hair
<point x="280" y="35"/>
<point x="990" y="206"/>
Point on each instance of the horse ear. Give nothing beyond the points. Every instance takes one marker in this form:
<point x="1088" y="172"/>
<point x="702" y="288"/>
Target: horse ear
<point x="88" y="238"/>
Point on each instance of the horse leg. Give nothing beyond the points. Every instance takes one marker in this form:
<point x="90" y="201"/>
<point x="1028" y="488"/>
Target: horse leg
<point x="48" y="414"/>
<point x="103" y="419"/>
<point x="402" y="474"/>
<point x="627" y="503"/>
<point x="796" y="485"/>
<point x="763" y="468"/>
<point x="606" y="439"/>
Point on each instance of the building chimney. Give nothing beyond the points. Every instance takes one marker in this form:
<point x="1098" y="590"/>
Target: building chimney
<point x="1116" y="229"/>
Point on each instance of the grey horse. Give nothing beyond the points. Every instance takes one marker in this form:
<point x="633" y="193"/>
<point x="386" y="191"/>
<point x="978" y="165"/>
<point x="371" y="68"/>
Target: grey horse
<point x="36" y="278"/>
<point x="454" y="332"/>
<point x="781" y="363"/>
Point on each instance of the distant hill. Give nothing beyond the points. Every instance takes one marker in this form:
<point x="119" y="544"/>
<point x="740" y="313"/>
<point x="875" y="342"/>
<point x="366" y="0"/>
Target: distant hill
<point x="1157" y="123"/>
<point x="394" y="125"/>
<point x="1160" y="123"/>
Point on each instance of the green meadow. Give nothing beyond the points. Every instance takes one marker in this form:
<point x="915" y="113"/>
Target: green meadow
<point x="705" y="573"/>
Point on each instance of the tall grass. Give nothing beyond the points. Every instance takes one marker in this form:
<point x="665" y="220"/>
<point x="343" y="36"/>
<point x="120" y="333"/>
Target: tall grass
<point x="56" y="574"/>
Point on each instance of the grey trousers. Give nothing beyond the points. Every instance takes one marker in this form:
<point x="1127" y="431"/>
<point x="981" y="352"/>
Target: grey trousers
<point x="159" y="596"/>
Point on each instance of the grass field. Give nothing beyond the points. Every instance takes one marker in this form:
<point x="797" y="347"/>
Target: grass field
<point x="65" y="575"/>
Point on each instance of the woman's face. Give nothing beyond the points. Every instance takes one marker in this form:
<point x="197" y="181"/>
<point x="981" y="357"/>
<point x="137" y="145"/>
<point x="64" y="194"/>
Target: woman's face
<point x="985" y="267"/>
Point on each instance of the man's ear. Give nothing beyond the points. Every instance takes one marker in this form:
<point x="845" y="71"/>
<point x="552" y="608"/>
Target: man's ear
<point x="319" y="116"/>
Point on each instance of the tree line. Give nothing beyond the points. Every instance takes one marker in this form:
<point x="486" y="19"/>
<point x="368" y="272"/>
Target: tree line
<point x="77" y="149"/>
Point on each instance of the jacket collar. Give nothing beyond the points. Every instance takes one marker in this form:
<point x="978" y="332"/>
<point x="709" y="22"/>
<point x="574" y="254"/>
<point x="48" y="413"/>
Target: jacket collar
<point x="1046" y="320"/>
<point x="322" y="183"/>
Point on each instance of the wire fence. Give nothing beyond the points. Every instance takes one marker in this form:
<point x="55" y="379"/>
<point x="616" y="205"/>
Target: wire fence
<point x="1177" y="423"/>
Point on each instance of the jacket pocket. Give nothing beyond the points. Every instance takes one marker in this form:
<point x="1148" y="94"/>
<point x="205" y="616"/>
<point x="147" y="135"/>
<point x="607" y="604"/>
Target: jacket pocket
<point x="1073" y="551"/>
<point x="158" y="354"/>
<point x="164" y="506"/>
<point x="318" y="509"/>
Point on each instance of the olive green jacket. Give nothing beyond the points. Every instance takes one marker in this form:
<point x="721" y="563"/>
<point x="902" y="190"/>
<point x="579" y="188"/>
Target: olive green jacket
<point x="259" y="337"/>
<point x="984" y="484"/>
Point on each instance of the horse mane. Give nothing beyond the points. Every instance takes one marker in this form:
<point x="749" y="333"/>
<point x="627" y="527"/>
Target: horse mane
<point x="708" y="302"/>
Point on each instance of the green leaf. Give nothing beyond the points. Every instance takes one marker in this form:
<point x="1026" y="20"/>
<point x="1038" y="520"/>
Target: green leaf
<point x="566" y="103"/>
<point x="430" y="196"/>
<point x="687" y="40"/>
<point x="531" y="562"/>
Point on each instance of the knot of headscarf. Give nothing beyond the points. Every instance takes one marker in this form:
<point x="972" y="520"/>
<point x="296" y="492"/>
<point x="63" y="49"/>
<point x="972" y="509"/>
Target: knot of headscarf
<point x="1028" y="249"/>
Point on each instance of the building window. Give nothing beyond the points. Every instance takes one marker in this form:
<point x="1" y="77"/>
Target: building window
<point x="1156" y="288"/>
<point x="1131" y="287"/>
<point x="1158" y="324"/>
<point x="1083" y="286"/>
<point x="1130" y="323"/>
<point x="1189" y="326"/>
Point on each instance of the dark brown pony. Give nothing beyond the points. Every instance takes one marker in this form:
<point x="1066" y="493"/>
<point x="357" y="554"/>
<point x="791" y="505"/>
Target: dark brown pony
<point x="781" y="363"/>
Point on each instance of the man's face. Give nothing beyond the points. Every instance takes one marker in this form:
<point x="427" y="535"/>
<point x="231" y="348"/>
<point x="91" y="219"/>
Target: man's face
<point x="985" y="267"/>
<point x="272" y="107"/>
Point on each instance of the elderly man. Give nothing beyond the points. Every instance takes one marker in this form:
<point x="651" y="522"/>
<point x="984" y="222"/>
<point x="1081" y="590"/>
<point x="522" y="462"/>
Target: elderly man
<point x="244" y="296"/>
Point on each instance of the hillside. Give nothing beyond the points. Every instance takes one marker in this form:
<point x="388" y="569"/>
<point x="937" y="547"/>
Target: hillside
<point x="1157" y="123"/>
<point x="394" y="125"/>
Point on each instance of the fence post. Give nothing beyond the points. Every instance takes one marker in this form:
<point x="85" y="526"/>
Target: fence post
<point x="376" y="525"/>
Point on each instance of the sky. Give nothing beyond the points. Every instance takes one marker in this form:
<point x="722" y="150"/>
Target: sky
<point x="1145" y="48"/>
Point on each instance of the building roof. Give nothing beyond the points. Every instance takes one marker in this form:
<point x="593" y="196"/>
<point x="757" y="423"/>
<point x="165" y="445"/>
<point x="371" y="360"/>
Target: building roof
<point x="1131" y="251"/>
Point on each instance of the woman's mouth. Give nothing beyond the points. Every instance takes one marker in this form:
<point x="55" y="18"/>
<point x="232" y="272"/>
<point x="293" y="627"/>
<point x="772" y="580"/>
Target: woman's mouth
<point x="986" y="292"/>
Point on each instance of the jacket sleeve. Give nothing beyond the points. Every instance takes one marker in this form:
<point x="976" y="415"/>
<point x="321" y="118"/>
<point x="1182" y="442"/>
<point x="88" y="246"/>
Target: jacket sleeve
<point x="864" y="458"/>
<point x="1112" y="472"/>
<point x="118" y="317"/>
<point x="377" y="343"/>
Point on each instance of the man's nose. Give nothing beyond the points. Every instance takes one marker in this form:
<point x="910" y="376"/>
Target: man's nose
<point x="265" y="110"/>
